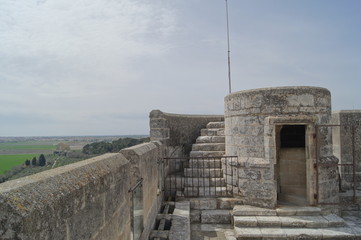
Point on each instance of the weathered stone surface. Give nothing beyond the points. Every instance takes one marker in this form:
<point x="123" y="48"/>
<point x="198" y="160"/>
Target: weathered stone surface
<point x="211" y="139"/>
<point x="334" y="220"/>
<point x="252" y="121"/>
<point x="245" y="221"/>
<point x="215" y="125"/>
<point x="178" y="131"/>
<point x="85" y="200"/>
<point x="205" y="163"/>
<point x="208" y="147"/>
<point x="248" y="233"/>
<point x="180" y="229"/>
<point x="203" y="203"/>
<point x="300" y="211"/>
<point x="194" y="154"/>
<point x="204" y="182"/>
<point x="216" y="216"/>
<point x="228" y="203"/>
<point x="269" y="221"/>
<point x="195" y="216"/>
<point x="199" y="172"/>
<point x="205" y="192"/>
<point x="247" y="210"/>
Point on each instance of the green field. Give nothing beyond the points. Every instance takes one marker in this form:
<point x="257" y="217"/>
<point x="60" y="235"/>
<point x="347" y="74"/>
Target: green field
<point x="31" y="145"/>
<point x="7" y="162"/>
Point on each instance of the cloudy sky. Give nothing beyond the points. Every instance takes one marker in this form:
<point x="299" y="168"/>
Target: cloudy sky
<point x="98" y="67"/>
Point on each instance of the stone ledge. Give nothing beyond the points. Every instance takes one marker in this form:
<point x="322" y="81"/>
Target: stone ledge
<point x="180" y="229"/>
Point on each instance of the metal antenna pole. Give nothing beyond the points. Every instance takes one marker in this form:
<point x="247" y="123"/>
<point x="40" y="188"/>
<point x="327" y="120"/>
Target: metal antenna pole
<point x="229" y="51"/>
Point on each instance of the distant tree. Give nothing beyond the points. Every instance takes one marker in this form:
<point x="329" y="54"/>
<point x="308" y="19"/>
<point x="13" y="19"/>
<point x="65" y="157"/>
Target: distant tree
<point x="27" y="162"/>
<point x="33" y="161"/>
<point x="115" y="146"/>
<point x="63" y="147"/>
<point x="42" y="160"/>
<point x="97" y="148"/>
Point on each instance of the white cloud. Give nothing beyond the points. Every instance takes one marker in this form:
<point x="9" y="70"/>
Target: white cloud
<point x="64" y="58"/>
<point x="85" y="65"/>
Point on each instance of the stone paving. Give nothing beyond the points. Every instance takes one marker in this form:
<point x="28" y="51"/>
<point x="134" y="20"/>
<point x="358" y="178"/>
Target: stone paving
<point x="226" y="232"/>
<point x="212" y="232"/>
<point x="202" y="231"/>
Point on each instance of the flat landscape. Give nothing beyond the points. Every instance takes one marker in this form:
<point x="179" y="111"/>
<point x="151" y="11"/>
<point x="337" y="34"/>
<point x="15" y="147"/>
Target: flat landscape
<point x="14" y="151"/>
<point x="7" y="162"/>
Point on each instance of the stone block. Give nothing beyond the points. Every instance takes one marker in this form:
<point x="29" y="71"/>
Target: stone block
<point x="195" y="216"/>
<point x="334" y="220"/>
<point x="216" y="216"/>
<point x="268" y="221"/>
<point x="208" y="147"/>
<point x="228" y="203"/>
<point x="159" y="133"/>
<point x="299" y="211"/>
<point x="203" y="203"/>
<point x="248" y="233"/>
<point x="245" y="221"/>
<point x="215" y="125"/>
<point x="303" y="233"/>
<point x="247" y="210"/>
<point x="180" y="229"/>
<point x="273" y="233"/>
<point x="158" y="123"/>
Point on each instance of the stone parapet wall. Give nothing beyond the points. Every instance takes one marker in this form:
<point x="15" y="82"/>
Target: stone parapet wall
<point x="178" y="131"/>
<point x="347" y="137"/>
<point x="89" y="199"/>
<point x="347" y="145"/>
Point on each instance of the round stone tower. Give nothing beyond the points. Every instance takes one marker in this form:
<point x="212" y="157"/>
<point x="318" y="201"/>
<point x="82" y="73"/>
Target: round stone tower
<point x="272" y="131"/>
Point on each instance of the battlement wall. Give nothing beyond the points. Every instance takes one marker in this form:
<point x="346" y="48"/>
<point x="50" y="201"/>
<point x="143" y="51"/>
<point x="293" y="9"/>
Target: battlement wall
<point x="178" y="131"/>
<point x="89" y="199"/>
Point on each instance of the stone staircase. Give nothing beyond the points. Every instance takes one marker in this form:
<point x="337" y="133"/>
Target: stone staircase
<point x="204" y="175"/>
<point x="289" y="223"/>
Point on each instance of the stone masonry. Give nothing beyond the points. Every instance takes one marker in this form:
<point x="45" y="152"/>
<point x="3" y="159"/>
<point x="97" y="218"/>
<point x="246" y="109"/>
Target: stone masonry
<point x="204" y="174"/>
<point x="253" y="122"/>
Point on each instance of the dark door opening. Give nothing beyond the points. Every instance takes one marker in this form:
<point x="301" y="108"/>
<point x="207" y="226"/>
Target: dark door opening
<point x="291" y="162"/>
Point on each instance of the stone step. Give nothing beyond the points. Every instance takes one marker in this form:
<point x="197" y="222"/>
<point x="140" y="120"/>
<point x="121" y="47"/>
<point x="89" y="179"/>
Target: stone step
<point x="205" y="191"/>
<point x="298" y="211"/>
<point x="214" y="203"/>
<point x="289" y="221"/>
<point x="204" y="182"/>
<point x="209" y="231"/>
<point x="206" y="154"/>
<point x="174" y="181"/>
<point x="218" y="216"/>
<point x="296" y="233"/>
<point x="209" y="147"/>
<point x="215" y="125"/>
<point x="212" y="132"/>
<point x="201" y="172"/>
<point x="159" y="234"/>
<point x="211" y="139"/>
<point x="247" y="210"/>
<point x="205" y="163"/>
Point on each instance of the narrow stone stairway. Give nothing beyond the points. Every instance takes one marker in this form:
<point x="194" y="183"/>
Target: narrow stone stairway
<point x="204" y="176"/>
<point x="290" y="223"/>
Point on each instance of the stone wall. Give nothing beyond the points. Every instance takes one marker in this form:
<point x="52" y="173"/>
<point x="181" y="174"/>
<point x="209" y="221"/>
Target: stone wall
<point x="177" y="131"/>
<point x="89" y="199"/>
<point x="347" y="144"/>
